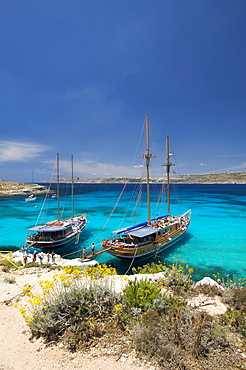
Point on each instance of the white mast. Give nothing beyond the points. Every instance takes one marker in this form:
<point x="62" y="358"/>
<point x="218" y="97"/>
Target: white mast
<point x="147" y="156"/>
<point x="58" y="186"/>
<point x="72" y="187"/>
<point x="168" y="164"/>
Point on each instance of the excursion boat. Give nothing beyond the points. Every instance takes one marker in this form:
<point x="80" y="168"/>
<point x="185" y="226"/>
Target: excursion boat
<point x="31" y="198"/>
<point x="57" y="233"/>
<point x="154" y="235"/>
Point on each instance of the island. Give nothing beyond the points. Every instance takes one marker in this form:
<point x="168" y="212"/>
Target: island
<point x="10" y="188"/>
<point x="205" y="178"/>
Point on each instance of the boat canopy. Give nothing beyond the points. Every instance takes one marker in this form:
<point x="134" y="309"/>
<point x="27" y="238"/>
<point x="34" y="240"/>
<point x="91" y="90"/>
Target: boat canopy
<point x="129" y="228"/>
<point x="142" y="232"/>
<point x="125" y="229"/>
<point x="46" y="228"/>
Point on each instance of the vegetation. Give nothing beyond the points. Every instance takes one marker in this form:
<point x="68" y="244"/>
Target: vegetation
<point x="81" y="307"/>
<point x="10" y="280"/>
<point x="205" y="178"/>
<point x="14" y="188"/>
<point x="5" y="265"/>
<point x="177" y="275"/>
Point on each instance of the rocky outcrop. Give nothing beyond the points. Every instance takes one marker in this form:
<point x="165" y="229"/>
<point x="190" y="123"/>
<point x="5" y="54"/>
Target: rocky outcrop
<point x="9" y="188"/>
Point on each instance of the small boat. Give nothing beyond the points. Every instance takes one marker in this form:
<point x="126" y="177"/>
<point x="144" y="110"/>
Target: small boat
<point x="31" y="198"/>
<point x="54" y="196"/>
<point x="154" y="235"/>
<point x="57" y="233"/>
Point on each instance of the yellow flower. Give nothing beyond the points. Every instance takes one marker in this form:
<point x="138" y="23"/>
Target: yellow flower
<point x="29" y="320"/>
<point x="118" y="307"/>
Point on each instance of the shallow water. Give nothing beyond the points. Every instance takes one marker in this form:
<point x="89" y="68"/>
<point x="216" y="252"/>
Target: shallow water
<point x="215" y="241"/>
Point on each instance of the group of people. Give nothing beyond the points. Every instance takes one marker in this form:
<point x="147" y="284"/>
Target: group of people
<point x="37" y="256"/>
<point x="50" y="257"/>
<point x="83" y="254"/>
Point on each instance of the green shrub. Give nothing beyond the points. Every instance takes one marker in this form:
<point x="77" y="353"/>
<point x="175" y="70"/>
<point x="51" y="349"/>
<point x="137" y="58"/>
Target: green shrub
<point x="149" y="268"/>
<point x="140" y="294"/>
<point x="6" y="265"/>
<point x="209" y="290"/>
<point x="36" y="264"/>
<point x="183" y="340"/>
<point x="167" y="302"/>
<point x="72" y="311"/>
<point x="177" y="275"/>
<point x="10" y="280"/>
<point x="178" y="278"/>
<point x="239" y="298"/>
<point x="235" y="320"/>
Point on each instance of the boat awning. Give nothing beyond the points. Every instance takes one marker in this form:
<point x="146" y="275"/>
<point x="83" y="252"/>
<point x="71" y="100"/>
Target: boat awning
<point x="46" y="228"/>
<point x="125" y="229"/>
<point x="142" y="232"/>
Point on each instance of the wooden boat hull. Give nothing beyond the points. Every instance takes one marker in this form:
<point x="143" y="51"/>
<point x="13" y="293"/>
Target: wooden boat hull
<point x="150" y="248"/>
<point x="47" y="242"/>
<point x="50" y="245"/>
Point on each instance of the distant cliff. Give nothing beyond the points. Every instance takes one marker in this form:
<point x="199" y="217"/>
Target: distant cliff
<point x="206" y="178"/>
<point x="18" y="188"/>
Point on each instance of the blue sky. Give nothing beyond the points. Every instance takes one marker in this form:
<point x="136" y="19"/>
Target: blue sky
<point x="77" y="77"/>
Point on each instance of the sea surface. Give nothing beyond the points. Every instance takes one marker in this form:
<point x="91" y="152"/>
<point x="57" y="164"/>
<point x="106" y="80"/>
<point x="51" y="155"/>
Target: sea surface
<point x="214" y="243"/>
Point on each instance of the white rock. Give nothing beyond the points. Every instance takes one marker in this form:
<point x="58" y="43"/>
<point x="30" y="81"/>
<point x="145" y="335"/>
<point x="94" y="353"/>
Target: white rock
<point x="209" y="281"/>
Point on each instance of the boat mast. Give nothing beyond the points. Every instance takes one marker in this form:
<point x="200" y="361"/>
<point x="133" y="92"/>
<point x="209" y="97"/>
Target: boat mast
<point x="58" y="186"/>
<point x="72" y="187"/>
<point x="147" y="157"/>
<point x="168" y="164"/>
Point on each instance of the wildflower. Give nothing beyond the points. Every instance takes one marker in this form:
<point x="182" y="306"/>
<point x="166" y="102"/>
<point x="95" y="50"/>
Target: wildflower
<point x="90" y="321"/>
<point x="29" y="320"/>
<point x="118" y="307"/>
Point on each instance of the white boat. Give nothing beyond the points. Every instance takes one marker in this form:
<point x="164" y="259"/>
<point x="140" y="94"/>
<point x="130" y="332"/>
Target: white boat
<point x="153" y="235"/>
<point x="31" y="198"/>
<point x="57" y="233"/>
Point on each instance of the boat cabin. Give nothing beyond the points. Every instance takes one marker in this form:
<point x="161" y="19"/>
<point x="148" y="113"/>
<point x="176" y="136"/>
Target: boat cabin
<point x="50" y="232"/>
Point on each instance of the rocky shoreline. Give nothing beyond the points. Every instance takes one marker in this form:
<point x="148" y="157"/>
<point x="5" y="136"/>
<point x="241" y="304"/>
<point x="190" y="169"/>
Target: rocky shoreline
<point x="9" y="188"/>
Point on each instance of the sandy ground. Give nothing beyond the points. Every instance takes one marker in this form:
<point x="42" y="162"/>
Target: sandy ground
<point x="18" y="351"/>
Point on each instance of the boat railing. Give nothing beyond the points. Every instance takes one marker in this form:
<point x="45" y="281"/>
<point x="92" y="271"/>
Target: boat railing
<point x="120" y="245"/>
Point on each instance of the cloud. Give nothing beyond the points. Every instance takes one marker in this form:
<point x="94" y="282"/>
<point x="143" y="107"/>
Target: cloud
<point x="240" y="167"/>
<point x="91" y="168"/>
<point x="201" y="164"/>
<point x="89" y="92"/>
<point x="15" y="151"/>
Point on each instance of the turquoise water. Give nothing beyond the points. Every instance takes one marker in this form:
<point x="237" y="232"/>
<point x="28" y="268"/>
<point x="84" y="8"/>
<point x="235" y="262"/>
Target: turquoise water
<point x="215" y="241"/>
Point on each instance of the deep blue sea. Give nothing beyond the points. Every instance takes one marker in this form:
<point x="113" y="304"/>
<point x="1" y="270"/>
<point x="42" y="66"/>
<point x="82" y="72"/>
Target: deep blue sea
<point x="215" y="241"/>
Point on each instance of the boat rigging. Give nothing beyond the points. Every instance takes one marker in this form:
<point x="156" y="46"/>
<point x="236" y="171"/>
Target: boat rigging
<point x="152" y="236"/>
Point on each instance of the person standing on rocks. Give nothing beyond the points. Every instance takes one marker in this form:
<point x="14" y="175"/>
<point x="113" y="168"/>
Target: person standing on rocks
<point x="34" y="256"/>
<point x="53" y="256"/>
